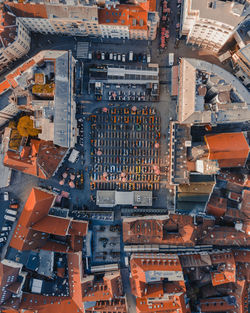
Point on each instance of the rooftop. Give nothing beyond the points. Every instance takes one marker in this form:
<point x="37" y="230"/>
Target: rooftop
<point x="226" y="12"/>
<point x="229" y="149"/>
<point x="41" y="158"/>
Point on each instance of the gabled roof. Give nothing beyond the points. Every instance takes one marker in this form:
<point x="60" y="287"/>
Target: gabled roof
<point x="40" y="159"/>
<point x="52" y="225"/>
<point x="229" y="149"/>
<point x="36" y="207"/>
<point x="216" y="206"/>
<point x="106" y="289"/>
<point x="34" y="225"/>
<point x="34" y="10"/>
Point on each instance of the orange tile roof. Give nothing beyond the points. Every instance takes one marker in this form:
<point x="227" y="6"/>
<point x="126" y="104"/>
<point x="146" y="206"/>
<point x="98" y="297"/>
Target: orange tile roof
<point x="216" y="206"/>
<point x="172" y="304"/>
<point x="4" y="86"/>
<point x="229" y="149"/>
<point x="133" y="16"/>
<point x="185" y="232"/>
<point x="106" y="289"/>
<point x="36" y="207"/>
<point x="216" y="305"/>
<point x="75" y="277"/>
<point x="113" y="305"/>
<point x="145" y="268"/>
<point x="41" y="159"/>
<point x="242" y="256"/>
<point x="7" y="271"/>
<point x="48" y="304"/>
<point x="52" y="225"/>
<point x="34" y="10"/>
<point x="225" y="236"/>
<point x="78" y="228"/>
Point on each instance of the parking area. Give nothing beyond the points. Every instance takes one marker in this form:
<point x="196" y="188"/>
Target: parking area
<point x="133" y="93"/>
<point x="106" y="243"/>
<point x="125" y="149"/>
<point x="9" y="212"/>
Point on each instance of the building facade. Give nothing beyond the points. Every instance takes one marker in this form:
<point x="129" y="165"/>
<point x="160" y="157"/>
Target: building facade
<point x="48" y="18"/>
<point x="15" y="38"/>
<point x="209" y="24"/>
<point x="122" y="21"/>
<point x="241" y="60"/>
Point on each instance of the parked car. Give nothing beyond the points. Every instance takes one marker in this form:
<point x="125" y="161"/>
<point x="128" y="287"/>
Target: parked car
<point x="119" y="57"/>
<point x="6" y="196"/>
<point x="123" y="57"/>
<point x="103" y="56"/>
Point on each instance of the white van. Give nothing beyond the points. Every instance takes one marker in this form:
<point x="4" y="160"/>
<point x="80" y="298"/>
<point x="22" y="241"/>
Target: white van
<point x="171" y="59"/>
<point x="148" y="58"/>
<point x="11" y="212"/>
<point x="130" y="56"/>
<point x="6" y="228"/>
<point x="9" y="218"/>
<point x="6" y="196"/>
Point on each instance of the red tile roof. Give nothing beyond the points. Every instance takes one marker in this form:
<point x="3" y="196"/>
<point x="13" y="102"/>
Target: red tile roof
<point x="148" y="272"/>
<point x="34" y="225"/>
<point x="216" y="206"/>
<point x="173" y="229"/>
<point x="40" y="159"/>
<point x="75" y="278"/>
<point x="52" y="225"/>
<point x="37" y="206"/>
<point x="105" y="289"/>
<point x="33" y="10"/>
<point x="229" y="149"/>
<point x="133" y="16"/>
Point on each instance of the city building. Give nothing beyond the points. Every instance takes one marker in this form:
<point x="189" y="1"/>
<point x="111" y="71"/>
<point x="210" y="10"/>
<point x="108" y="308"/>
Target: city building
<point x="228" y="149"/>
<point x="58" y="18"/>
<point x="205" y="152"/>
<point x="12" y="280"/>
<point x="207" y="94"/>
<point x="113" y="306"/>
<point x="172" y="229"/>
<point x="40" y="158"/>
<point x="221" y="278"/>
<point x="157" y="281"/>
<point x="111" y="198"/>
<point x="131" y="21"/>
<point x="241" y="60"/>
<point x="15" y="38"/>
<point x="36" y="224"/>
<point x="209" y="24"/>
<point x="44" y="87"/>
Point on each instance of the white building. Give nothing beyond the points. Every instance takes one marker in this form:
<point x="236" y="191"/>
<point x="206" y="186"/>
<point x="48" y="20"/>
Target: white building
<point x="15" y="38"/>
<point x="210" y="23"/>
<point x="60" y="19"/>
<point x="114" y="31"/>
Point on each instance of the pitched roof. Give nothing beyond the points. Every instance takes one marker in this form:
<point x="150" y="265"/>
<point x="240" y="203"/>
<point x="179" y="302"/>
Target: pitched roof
<point x="52" y="225"/>
<point x="229" y="149"/>
<point x="216" y="206"/>
<point x="40" y="159"/>
<point x="33" y="10"/>
<point x="75" y="278"/>
<point x="36" y="207"/>
<point x="107" y="288"/>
